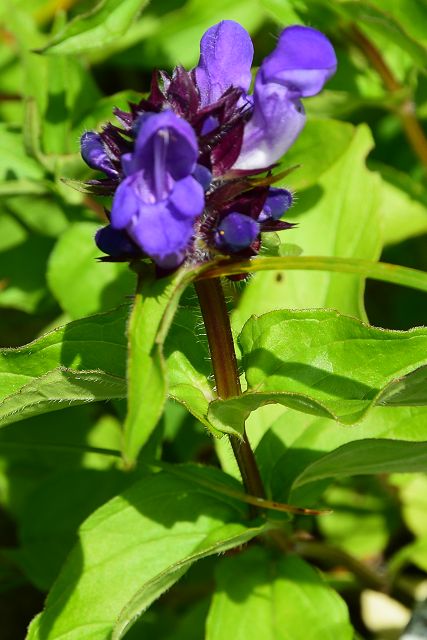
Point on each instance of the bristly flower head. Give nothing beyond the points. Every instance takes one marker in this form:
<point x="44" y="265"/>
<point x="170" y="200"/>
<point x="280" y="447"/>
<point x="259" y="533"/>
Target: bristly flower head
<point x="184" y="164"/>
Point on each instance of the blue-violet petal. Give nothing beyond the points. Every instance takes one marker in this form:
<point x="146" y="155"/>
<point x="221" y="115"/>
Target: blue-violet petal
<point x="226" y="53"/>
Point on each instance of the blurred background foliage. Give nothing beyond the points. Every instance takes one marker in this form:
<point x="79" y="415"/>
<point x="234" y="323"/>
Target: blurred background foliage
<point x="361" y="192"/>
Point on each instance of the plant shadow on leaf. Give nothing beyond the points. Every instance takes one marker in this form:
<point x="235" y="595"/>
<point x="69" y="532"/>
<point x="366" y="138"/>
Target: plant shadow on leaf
<point x="118" y="291"/>
<point x="97" y="345"/>
<point x="306" y="200"/>
<point x="327" y="382"/>
<point x="153" y="526"/>
<point x="56" y="111"/>
<point x="23" y="275"/>
<point x="280" y="465"/>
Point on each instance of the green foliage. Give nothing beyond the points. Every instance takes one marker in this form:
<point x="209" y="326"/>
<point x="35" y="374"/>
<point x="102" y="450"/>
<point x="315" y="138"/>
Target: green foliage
<point x="109" y="20"/>
<point x="244" y="604"/>
<point x="320" y="363"/>
<point x="105" y="393"/>
<point x="158" y="528"/>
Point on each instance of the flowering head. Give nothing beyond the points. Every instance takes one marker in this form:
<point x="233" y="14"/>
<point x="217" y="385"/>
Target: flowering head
<point x="184" y="164"/>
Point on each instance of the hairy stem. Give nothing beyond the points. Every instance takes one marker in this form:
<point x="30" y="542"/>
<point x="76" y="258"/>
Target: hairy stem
<point x="220" y="339"/>
<point x="406" y="111"/>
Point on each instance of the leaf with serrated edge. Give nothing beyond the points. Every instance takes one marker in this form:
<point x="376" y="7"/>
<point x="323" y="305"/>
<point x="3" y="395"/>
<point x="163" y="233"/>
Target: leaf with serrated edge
<point x="318" y="362"/>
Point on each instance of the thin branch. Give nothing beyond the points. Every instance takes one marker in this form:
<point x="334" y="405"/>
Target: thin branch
<point x="406" y="111"/>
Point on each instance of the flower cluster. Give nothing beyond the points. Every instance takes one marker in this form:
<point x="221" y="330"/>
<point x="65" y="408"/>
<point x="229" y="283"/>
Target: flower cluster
<point x="184" y="164"/>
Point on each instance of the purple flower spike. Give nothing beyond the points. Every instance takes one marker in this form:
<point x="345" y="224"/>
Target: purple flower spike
<point x="277" y="203"/>
<point x="159" y="200"/>
<point x="226" y="53"/>
<point x="94" y="154"/>
<point x="302" y="62"/>
<point x="236" y="232"/>
<point x="184" y="165"/>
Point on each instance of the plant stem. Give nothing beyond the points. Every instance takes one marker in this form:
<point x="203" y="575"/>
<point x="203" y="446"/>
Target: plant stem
<point x="406" y="112"/>
<point x="333" y="556"/>
<point x="224" y="363"/>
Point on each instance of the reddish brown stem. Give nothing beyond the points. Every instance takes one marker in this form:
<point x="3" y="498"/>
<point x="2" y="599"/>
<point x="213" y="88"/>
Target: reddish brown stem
<point x="220" y="339"/>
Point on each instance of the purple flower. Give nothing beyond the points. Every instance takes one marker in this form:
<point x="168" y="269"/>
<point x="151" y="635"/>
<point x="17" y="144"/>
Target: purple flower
<point x="278" y="201"/>
<point x="302" y="62"/>
<point x="159" y="200"/>
<point x="184" y="164"/>
<point x="94" y="153"/>
<point x="236" y="232"/>
<point x="226" y="53"/>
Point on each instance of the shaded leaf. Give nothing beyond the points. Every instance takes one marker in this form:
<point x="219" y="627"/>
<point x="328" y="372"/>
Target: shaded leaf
<point x="367" y="457"/>
<point x="157" y="528"/>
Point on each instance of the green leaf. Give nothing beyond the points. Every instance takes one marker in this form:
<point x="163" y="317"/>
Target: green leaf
<point x="320" y="363"/>
<point x="284" y="13"/>
<point x="53" y="513"/>
<point x="80" y="283"/>
<point x="403" y="206"/>
<point x="41" y="215"/>
<point x="58" y="389"/>
<point x="100" y="27"/>
<point x="413" y="498"/>
<point x="131" y="550"/>
<point x="14" y="163"/>
<point x="290" y="442"/>
<point x="85" y="360"/>
<point x="385" y="21"/>
<point x="189" y="369"/>
<point x="365" y="516"/>
<point x="258" y="597"/>
<point x="367" y="457"/>
<point x="172" y="37"/>
<point x="155" y="304"/>
<point x="321" y="144"/>
<point x="23" y="289"/>
<point x="411" y="390"/>
<point x="325" y="213"/>
<point x="80" y="362"/>
<point x="415" y="553"/>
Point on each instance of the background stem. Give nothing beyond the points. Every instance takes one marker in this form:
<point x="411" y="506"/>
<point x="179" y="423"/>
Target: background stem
<point x="224" y="363"/>
<point x="406" y="111"/>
